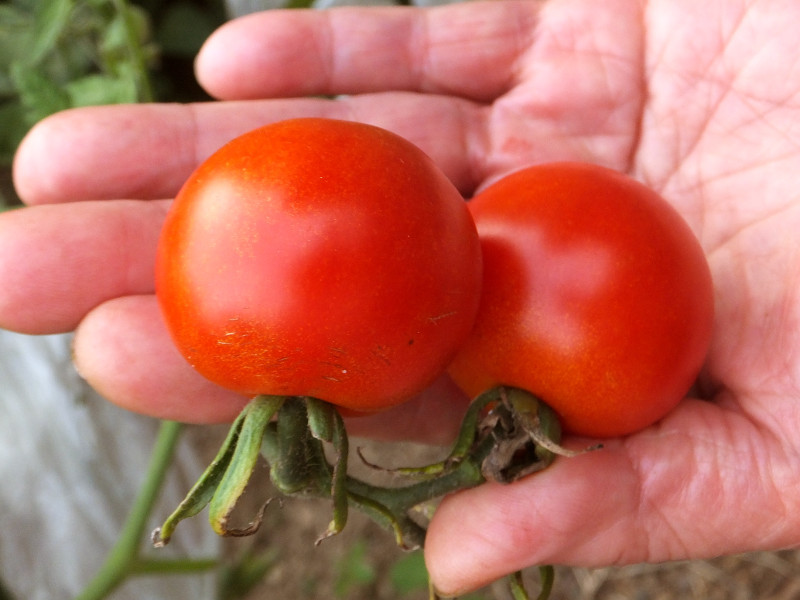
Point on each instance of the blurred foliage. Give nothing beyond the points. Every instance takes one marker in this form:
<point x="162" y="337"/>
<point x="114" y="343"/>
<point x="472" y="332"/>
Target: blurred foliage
<point x="354" y="570"/>
<point x="59" y="54"/>
<point x="238" y="579"/>
<point x="409" y="577"/>
<point x="408" y="574"/>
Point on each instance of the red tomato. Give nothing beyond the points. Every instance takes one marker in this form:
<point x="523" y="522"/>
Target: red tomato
<point x="597" y="298"/>
<point x="323" y="258"/>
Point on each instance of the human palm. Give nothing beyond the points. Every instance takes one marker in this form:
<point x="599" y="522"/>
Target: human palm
<point x="698" y="100"/>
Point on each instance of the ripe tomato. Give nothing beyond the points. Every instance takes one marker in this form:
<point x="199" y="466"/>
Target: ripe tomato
<point x="324" y="258"/>
<point x="597" y="298"/>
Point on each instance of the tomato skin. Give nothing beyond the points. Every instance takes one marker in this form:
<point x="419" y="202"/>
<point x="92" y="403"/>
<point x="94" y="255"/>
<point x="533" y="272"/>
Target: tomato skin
<point x="324" y="258"/>
<point x="597" y="298"/>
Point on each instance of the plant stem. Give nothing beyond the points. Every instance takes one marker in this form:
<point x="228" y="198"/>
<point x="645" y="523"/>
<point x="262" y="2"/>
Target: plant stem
<point x="176" y="566"/>
<point x="143" y="86"/>
<point x="400" y="499"/>
<point x="547" y="575"/>
<point x="124" y="556"/>
<point x="5" y="593"/>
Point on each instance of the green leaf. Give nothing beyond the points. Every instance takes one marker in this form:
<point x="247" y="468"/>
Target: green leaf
<point x="39" y="95"/>
<point x="125" y="48"/>
<point x="126" y="36"/>
<point x="354" y="570"/>
<point x="408" y="574"/>
<point x="12" y="129"/>
<point x="237" y="580"/>
<point x="50" y="22"/>
<point x="257" y="415"/>
<point x="205" y="487"/>
<point x="101" y="89"/>
<point x="16" y="38"/>
<point x="183" y="29"/>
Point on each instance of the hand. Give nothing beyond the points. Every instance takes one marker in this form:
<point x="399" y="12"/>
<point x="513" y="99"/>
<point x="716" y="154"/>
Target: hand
<point x="698" y="100"/>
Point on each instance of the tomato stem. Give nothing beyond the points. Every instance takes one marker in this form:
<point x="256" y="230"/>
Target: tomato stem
<point x="124" y="559"/>
<point x="506" y="434"/>
<point x="5" y="592"/>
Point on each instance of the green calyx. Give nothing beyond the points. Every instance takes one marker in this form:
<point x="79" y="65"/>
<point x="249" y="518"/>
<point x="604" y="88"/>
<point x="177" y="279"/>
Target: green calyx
<point x="506" y="434"/>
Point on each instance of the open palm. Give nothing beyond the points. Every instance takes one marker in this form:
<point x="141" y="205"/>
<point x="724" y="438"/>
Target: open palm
<point x="698" y="100"/>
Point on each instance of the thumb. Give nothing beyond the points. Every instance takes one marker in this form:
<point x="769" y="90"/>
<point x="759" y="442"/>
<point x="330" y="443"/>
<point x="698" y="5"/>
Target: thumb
<point x="565" y="514"/>
<point x="704" y="482"/>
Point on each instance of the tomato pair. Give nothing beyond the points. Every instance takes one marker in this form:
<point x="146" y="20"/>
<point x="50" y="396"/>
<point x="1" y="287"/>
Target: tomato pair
<point x="332" y="259"/>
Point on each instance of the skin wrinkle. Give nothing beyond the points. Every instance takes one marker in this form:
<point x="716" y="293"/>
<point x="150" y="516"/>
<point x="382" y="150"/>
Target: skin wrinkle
<point x="694" y="145"/>
<point x="774" y="310"/>
<point x="760" y="476"/>
<point x="725" y="168"/>
<point x="709" y="461"/>
<point x="156" y="138"/>
<point x="659" y="65"/>
<point x="468" y="140"/>
<point x="417" y="50"/>
<point x="550" y="44"/>
<point x="768" y="479"/>
<point x="722" y="103"/>
<point x="598" y="524"/>
<point x="537" y="525"/>
<point x="525" y="36"/>
<point x="324" y="42"/>
<point x="643" y="95"/>
<point x="756" y="223"/>
<point x="190" y="141"/>
<point x="767" y="422"/>
<point x="646" y="509"/>
<point x="716" y="75"/>
<point x="730" y="33"/>
<point x="637" y="504"/>
<point x="128" y="246"/>
<point x="520" y="15"/>
<point x="739" y="170"/>
<point x="777" y="479"/>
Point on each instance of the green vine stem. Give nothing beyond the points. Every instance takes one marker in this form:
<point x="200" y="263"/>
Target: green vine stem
<point x="135" y="48"/>
<point x="5" y="592"/>
<point x="517" y="587"/>
<point x="506" y="434"/>
<point x="124" y="559"/>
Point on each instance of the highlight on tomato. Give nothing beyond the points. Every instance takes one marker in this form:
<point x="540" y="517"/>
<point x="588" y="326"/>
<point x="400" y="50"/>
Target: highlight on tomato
<point x="318" y="257"/>
<point x="597" y="298"/>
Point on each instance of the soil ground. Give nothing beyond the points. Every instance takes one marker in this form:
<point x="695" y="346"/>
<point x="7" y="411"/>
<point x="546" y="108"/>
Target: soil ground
<point x="363" y="562"/>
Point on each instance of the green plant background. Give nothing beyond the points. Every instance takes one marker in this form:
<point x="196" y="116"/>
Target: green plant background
<point x="60" y="54"/>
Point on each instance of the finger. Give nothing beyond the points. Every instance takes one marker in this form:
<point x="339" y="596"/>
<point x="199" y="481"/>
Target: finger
<point x="58" y="262"/>
<point x="433" y="417"/>
<point x="122" y="348"/>
<point x="468" y="50"/>
<point x="703" y="483"/>
<point x="130" y="151"/>
<point x="148" y="151"/>
<point x="483" y="534"/>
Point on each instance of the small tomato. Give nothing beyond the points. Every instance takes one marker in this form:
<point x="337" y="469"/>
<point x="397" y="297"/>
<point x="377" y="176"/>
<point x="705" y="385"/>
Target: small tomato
<point x="597" y="298"/>
<point x="324" y="258"/>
